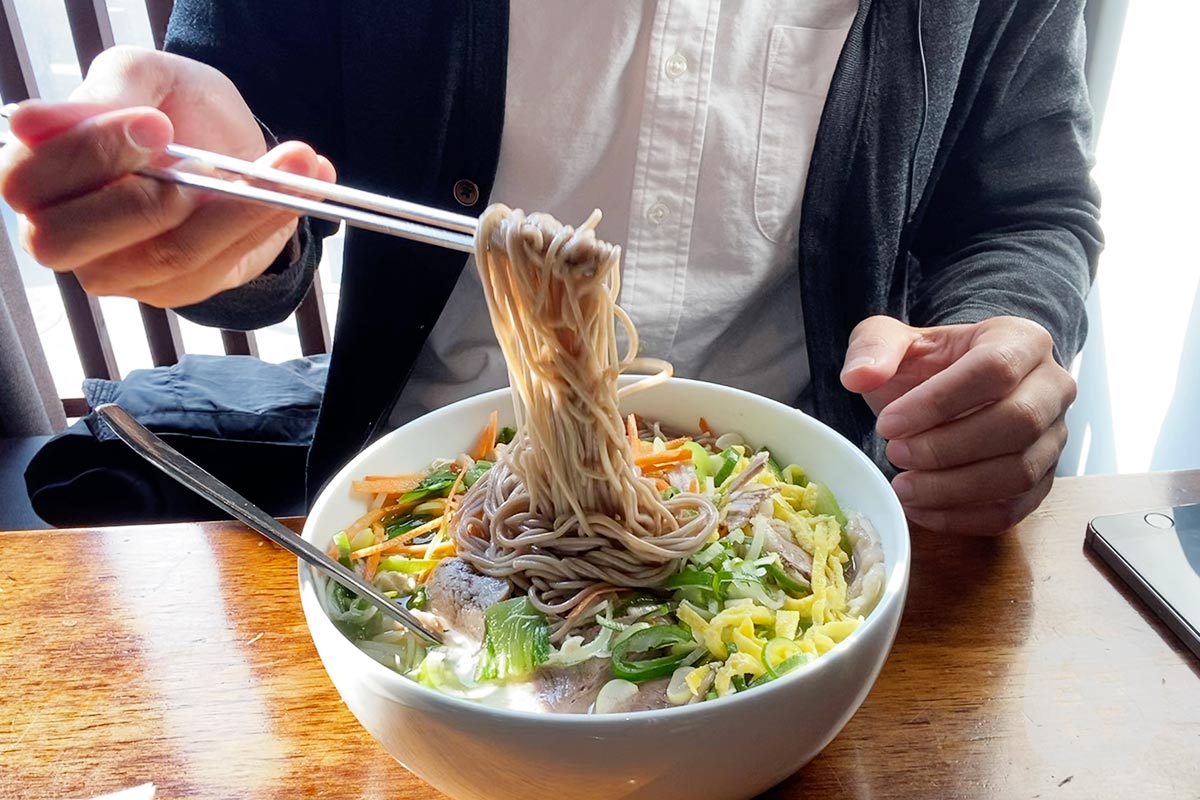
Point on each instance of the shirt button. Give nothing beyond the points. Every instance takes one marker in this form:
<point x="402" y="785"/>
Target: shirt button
<point x="466" y="192"/>
<point x="676" y="65"/>
<point x="657" y="213"/>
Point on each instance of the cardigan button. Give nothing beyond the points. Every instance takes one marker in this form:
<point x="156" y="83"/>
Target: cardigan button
<point x="466" y="192"/>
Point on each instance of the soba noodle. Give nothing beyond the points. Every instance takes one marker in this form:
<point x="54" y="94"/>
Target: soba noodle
<point x="564" y="515"/>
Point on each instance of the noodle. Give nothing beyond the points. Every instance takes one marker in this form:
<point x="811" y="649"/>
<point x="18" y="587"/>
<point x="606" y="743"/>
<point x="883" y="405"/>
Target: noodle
<point x="564" y="515"/>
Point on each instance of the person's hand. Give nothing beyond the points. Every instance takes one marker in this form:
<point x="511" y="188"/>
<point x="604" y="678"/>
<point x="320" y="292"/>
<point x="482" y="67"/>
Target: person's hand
<point x="83" y="211"/>
<point x="974" y="413"/>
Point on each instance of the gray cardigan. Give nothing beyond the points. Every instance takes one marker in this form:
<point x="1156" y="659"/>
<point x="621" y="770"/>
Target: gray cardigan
<point x="978" y="205"/>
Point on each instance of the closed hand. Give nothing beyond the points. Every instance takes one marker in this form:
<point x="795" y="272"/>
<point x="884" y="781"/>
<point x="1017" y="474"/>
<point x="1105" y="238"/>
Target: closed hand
<point x="973" y="413"/>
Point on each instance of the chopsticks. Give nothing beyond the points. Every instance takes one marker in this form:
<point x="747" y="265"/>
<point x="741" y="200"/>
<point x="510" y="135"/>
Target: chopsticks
<point x="362" y="209"/>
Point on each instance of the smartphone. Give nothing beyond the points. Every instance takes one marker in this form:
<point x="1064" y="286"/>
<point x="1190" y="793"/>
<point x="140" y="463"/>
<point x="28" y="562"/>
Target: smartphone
<point x="1157" y="553"/>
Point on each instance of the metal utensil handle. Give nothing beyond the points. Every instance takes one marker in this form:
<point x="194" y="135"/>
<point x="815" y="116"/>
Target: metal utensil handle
<point x="187" y="472"/>
<point x="366" y="220"/>
<point x="358" y="198"/>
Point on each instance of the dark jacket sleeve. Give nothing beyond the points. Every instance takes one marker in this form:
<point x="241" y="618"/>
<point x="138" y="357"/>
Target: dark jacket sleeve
<point x="1013" y="226"/>
<point x="284" y="57"/>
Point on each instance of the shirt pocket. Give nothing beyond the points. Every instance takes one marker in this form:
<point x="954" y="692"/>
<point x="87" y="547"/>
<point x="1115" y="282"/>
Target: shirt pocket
<point x="800" y="64"/>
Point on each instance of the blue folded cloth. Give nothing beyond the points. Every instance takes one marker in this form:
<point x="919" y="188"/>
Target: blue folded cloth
<point x="248" y="422"/>
<point x="227" y="397"/>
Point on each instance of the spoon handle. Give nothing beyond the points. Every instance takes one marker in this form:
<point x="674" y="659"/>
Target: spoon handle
<point x="191" y="475"/>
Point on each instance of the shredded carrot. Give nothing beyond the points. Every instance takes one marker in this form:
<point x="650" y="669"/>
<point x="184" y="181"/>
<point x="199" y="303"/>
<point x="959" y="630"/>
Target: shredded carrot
<point x="450" y="498"/>
<point x="440" y="550"/>
<point x="395" y="484"/>
<point x="399" y="541"/>
<point x="677" y="443"/>
<point x="631" y="429"/>
<point x="694" y="487"/>
<point x="586" y="600"/>
<point x="373" y="559"/>
<point x="704" y="426"/>
<point x="487" y="439"/>
<point x="661" y="484"/>
<point x="369" y="518"/>
<point x="663" y="458"/>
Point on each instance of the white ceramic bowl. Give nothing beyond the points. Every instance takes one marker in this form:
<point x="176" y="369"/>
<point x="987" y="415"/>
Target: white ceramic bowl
<point x="733" y="747"/>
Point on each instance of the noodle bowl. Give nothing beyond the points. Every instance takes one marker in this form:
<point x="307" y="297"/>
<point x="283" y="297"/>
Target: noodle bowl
<point x="564" y="515"/>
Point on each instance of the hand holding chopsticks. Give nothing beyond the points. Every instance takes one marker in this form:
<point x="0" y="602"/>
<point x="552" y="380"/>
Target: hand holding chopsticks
<point x="313" y="197"/>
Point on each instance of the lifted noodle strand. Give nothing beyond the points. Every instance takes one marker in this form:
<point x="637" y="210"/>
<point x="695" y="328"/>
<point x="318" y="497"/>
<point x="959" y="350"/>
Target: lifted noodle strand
<point x="564" y="514"/>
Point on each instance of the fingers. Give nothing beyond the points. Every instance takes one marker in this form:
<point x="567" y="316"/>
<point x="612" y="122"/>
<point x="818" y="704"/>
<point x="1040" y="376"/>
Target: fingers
<point x="222" y="243"/>
<point x="992" y="479"/>
<point x="987" y="519"/>
<point x="95" y="152"/>
<point x="67" y="235"/>
<point x="877" y="346"/>
<point x="994" y="365"/>
<point x="35" y="121"/>
<point x="237" y="264"/>
<point x="1010" y="425"/>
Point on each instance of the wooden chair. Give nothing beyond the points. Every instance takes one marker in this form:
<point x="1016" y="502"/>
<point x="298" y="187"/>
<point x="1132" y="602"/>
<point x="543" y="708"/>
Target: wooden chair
<point x="91" y="32"/>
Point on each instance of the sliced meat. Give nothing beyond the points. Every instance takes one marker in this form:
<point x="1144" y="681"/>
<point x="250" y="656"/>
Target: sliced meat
<point x="779" y="540"/>
<point x="682" y="477"/>
<point x="459" y="595"/>
<point x="742" y="506"/>
<point x="651" y="695"/>
<point x="571" y="690"/>
<point x="753" y="467"/>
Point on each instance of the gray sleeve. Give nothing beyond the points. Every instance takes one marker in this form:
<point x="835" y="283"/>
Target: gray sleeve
<point x="1013" y="228"/>
<point x="284" y="57"/>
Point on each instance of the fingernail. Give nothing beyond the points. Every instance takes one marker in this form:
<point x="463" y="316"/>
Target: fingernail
<point x="145" y="134"/>
<point x="903" y="488"/>
<point x="858" y="362"/>
<point x="899" y="452"/>
<point x="891" y="425"/>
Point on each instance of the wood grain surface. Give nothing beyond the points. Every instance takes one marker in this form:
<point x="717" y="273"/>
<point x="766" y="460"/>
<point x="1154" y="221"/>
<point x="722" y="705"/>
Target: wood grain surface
<point x="178" y="655"/>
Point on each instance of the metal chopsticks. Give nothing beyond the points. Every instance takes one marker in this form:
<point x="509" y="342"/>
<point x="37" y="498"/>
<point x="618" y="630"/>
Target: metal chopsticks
<point x="362" y="209"/>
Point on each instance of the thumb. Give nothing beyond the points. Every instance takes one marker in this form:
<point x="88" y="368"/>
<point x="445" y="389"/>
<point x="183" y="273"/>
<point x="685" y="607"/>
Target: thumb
<point x="877" y="346"/>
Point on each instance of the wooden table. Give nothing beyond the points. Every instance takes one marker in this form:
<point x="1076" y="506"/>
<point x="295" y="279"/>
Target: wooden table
<point x="178" y="655"/>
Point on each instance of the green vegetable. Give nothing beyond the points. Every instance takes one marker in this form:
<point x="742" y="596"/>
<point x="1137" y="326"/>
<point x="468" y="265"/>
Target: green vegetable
<point x="351" y="613"/>
<point x="418" y="599"/>
<point x="506" y="435"/>
<point x="650" y="640"/>
<point x="640" y="604"/>
<point x="516" y="640"/>
<point x="699" y="461"/>
<point x="773" y="465"/>
<point x="692" y="577"/>
<point x="669" y="492"/>
<point x="343" y="545"/>
<point x="476" y="472"/>
<point x="402" y="564"/>
<point x="364" y="538"/>
<point x="729" y="460"/>
<point x="826" y="503"/>
<point x="795" y="475"/>
<point x="404" y="525"/>
<point x="743" y="587"/>
<point x="786" y="581"/>
<point x="435" y="484"/>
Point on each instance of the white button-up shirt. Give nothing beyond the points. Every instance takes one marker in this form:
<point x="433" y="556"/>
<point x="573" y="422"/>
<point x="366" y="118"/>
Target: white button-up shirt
<point x="689" y="123"/>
